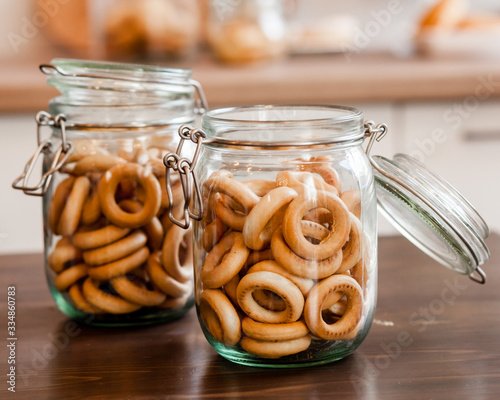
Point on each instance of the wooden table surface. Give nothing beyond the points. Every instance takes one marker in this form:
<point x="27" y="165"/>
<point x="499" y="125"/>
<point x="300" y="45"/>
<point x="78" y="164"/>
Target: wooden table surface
<point x="337" y="78"/>
<point x="436" y="335"/>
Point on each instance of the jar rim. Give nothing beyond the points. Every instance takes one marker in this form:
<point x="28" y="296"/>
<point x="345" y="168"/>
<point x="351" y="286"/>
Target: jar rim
<point x="283" y="125"/>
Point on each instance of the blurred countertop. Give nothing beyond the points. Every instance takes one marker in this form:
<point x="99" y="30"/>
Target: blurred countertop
<point x="334" y="78"/>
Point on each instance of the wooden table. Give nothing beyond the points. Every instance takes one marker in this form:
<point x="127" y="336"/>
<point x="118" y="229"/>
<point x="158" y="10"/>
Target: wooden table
<point x="436" y="336"/>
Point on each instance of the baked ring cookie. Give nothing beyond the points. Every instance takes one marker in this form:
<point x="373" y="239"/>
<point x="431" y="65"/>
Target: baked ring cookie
<point x="353" y="249"/>
<point x="299" y="266"/>
<point x="91" y="208"/>
<point x="292" y="231"/>
<point x="70" y="276"/>
<point x="96" y="162"/>
<point x="260" y="187"/>
<point x="107" y="189"/>
<point x="254" y="233"/>
<point x="104" y="236"/>
<point x="276" y="283"/>
<point x="275" y="349"/>
<point x="64" y="253"/>
<point x="315" y="305"/>
<point x="107" y="302"/>
<point x="352" y="200"/>
<point x="72" y="213"/>
<point x="163" y="281"/>
<point x="224" y="261"/>
<point x="321" y="166"/>
<point x="304" y="182"/>
<point x="177" y="255"/>
<point x="120" y="267"/>
<point x="273" y="332"/>
<point x="229" y="216"/>
<point x="80" y="302"/>
<point x="212" y="234"/>
<point x="135" y="293"/>
<point x="220" y="317"/>
<point x="234" y="189"/>
<point x="58" y="201"/>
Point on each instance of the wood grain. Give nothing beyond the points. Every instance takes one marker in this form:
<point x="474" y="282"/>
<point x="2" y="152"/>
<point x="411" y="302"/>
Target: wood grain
<point x="452" y="353"/>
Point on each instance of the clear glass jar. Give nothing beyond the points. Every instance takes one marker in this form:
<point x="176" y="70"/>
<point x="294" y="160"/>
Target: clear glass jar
<point x="285" y="231"/>
<point x="242" y="31"/>
<point x="112" y="256"/>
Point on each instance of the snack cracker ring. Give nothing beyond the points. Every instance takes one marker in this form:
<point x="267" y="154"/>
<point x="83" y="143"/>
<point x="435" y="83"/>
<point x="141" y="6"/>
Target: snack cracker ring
<point x="116" y="250"/>
<point x="299" y="266"/>
<point x="275" y="349"/>
<point x="96" y="162"/>
<point x="70" y="217"/>
<point x="154" y="228"/>
<point x="315" y="305"/>
<point x="91" y="208"/>
<point x="136" y="294"/>
<point x="304" y="182"/>
<point x="58" y="201"/>
<point x="230" y="289"/>
<point x="352" y="200"/>
<point x="107" y="189"/>
<point x="261" y="214"/>
<point x="224" y="261"/>
<point x="70" y="276"/>
<point x="177" y="302"/>
<point x="63" y="253"/>
<point x="223" y="211"/>
<point x="273" y="332"/>
<point x="320" y="166"/>
<point x="99" y="237"/>
<point x="352" y="251"/>
<point x="304" y="284"/>
<point x="292" y="231"/>
<point x="212" y="234"/>
<point x="276" y="283"/>
<point x="164" y="281"/>
<point x="80" y="302"/>
<point x="234" y="189"/>
<point x="256" y="257"/>
<point x="260" y="187"/>
<point x="105" y="301"/>
<point x="120" y="267"/>
<point x="173" y="244"/>
<point x="220" y="317"/>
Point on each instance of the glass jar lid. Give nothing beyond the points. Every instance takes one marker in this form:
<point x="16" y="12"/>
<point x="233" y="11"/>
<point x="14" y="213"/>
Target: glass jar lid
<point x="429" y="212"/>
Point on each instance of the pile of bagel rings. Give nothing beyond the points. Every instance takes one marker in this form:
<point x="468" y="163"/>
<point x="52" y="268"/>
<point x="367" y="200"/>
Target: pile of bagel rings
<point x="284" y="260"/>
<point x="117" y="251"/>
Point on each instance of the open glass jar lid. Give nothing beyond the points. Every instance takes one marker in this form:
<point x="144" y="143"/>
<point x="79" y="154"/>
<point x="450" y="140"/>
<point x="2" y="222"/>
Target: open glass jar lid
<point x="429" y="212"/>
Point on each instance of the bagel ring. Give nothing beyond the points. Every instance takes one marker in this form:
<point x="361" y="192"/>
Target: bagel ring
<point x="276" y="283"/>
<point x="262" y="213"/>
<point x="99" y="237"/>
<point x="91" y="208"/>
<point x="136" y="294"/>
<point x="80" y="302"/>
<point x="164" y="281"/>
<point x="73" y="208"/>
<point x="224" y="261"/>
<point x="116" y="250"/>
<point x="220" y="317"/>
<point x="273" y="332"/>
<point x="96" y="162"/>
<point x="121" y="266"/>
<point x="299" y="266"/>
<point x="64" y="252"/>
<point x="230" y="217"/>
<point x="352" y="250"/>
<point x="260" y="187"/>
<point x="105" y="301"/>
<point x="177" y="241"/>
<point x="352" y="200"/>
<point x="70" y="276"/>
<point x="212" y="234"/>
<point x="177" y="302"/>
<point x="234" y="189"/>
<point x="275" y="349"/>
<point x="304" y="182"/>
<point x="320" y="165"/>
<point x="292" y="231"/>
<point x="256" y="257"/>
<point x="107" y="188"/>
<point x="58" y="201"/>
<point x="315" y="305"/>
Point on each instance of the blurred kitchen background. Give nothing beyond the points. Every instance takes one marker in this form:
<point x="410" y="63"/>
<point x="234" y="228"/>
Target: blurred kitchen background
<point x="429" y="69"/>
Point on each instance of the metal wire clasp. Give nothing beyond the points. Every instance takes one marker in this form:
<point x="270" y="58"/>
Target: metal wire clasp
<point x="44" y="148"/>
<point x="185" y="168"/>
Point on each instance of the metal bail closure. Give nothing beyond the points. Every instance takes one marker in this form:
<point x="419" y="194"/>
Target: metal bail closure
<point x="44" y="148"/>
<point x="185" y="168"/>
<point x="428" y="211"/>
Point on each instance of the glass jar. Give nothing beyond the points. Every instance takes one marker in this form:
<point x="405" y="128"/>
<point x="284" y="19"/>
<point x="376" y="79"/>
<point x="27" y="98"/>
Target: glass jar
<point x="285" y="230"/>
<point x="111" y="256"/>
<point x="242" y="31"/>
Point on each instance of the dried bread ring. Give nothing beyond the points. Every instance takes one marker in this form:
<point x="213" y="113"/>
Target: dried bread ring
<point x="107" y="190"/>
<point x="292" y="231"/>
<point x="262" y="213"/>
<point x="304" y="284"/>
<point x="230" y="289"/>
<point x="224" y="261"/>
<point x="276" y="283"/>
<point x="220" y="317"/>
<point x="70" y="217"/>
<point x="230" y="217"/>
<point x="275" y="349"/>
<point x="80" y="302"/>
<point x="234" y="189"/>
<point x="135" y="294"/>
<point x="91" y="208"/>
<point x="315" y="305"/>
<point x="120" y="267"/>
<point x="116" y="250"/>
<point x="58" y="202"/>
<point x="105" y="301"/>
<point x="70" y="276"/>
<point x="320" y="165"/>
<point x="260" y="187"/>
<point x="273" y="332"/>
<point x="177" y="256"/>
<point x="96" y="162"/>
<point x="99" y="237"/>
<point x="212" y="234"/>
<point x="268" y="300"/>
<point x="352" y="250"/>
<point x="304" y="182"/>
<point x="256" y="257"/>
<point x="64" y="253"/>
<point x="177" y="302"/>
<point x="163" y="281"/>
<point x="299" y="266"/>
<point x="352" y="200"/>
